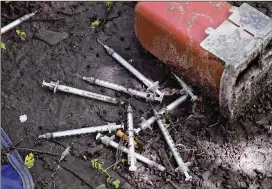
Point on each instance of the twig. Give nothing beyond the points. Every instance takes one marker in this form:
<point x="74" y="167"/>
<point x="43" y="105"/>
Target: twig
<point x="56" y="142"/>
<point x="55" y="171"/>
<point x="213" y="124"/>
<point x="48" y="20"/>
<point x="116" y="163"/>
<point x="168" y="172"/>
<point x="173" y="184"/>
<point x="65" y="153"/>
<point x="37" y="151"/>
<point x="252" y="183"/>
<point x="16" y="144"/>
<point x="191" y="115"/>
<point x="54" y="185"/>
<point x="118" y="151"/>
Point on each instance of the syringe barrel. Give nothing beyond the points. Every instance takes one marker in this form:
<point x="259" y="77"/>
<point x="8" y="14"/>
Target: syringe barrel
<point x="107" y="141"/>
<point x="16" y="23"/>
<point x="55" y="86"/>
<point x="116" y="87"/>
<point x="131" y="147"/>
<point x="146" y="124"/>
<point x="135" y="72"/>
<point x="95" y="129"/>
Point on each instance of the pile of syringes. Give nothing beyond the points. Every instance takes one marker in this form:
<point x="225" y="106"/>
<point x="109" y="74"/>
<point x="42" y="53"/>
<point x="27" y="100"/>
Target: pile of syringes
<point x="151" y="94"/>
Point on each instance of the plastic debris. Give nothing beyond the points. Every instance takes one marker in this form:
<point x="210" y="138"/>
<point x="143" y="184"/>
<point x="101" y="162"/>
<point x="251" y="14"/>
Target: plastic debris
<point x="23" y="118"/>
<point x="65" y="153"/>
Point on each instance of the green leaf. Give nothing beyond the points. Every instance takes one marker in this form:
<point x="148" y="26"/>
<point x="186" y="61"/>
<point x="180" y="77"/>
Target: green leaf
<point x="93" y="161"/>
<point x="18" y="32"/>
<point x="21" y="34"/>
<point x="123" y="160"/>
<point x="116" y="183"/>
<point x="99" y="166"/>
<point x="3" y="46"/>
<point x="109" y="180"/>
<point x="109" y="5"/>
<point x="29" y="160"/>
<point x="95" y="24"/>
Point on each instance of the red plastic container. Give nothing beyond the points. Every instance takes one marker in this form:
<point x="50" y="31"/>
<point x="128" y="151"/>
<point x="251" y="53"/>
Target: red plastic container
<point x="210" y="44"/>
<point x="173" y="31"/>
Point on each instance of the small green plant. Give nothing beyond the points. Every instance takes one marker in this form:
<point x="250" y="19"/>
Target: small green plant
<point x="3" y="46"/>
<point x="21" y="34"/>
<point x="29" y="160"/>
<point x="109" y="5"/>
<point x="164" y="121"/>
<point x="99" y="166"/>
<point x="95" y="24"/>
<point x="115" y="183"/>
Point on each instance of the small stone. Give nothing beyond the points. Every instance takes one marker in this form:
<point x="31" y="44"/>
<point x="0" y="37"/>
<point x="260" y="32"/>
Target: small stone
<point x="23" y="118"/>
<point x="51" y="37"/>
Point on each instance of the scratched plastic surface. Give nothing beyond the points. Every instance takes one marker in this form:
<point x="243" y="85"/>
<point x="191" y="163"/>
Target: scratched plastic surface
<point x="173" y="31"/>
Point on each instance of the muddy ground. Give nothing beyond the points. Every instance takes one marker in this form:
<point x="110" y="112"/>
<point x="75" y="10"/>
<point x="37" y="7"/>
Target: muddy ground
<point x="223" y="154"/>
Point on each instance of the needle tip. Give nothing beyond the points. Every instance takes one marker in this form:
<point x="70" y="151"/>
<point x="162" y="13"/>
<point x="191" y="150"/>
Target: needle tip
<point x="100" y="42"/>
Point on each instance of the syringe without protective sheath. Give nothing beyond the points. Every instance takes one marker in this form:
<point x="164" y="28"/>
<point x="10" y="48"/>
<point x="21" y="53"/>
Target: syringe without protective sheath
<point x="148" y="83"/>
<point x="131" y="147"/>
<point x="109" y="142"/>
<point x="147" y="123"/>
<point x="16" y="22"/>
<point x="110" y="127"/>
<point x="182" y="167"/>
<point x="55" y="86"/>
<point x="185" y="87"/>
<point x="133" y="92"/>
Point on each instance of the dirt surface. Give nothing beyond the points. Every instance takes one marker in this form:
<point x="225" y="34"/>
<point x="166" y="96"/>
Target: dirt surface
<point x="223" y="154"/>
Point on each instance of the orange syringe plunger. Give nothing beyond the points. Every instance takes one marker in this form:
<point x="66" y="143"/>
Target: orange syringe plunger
<point x="122" y="135"/>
